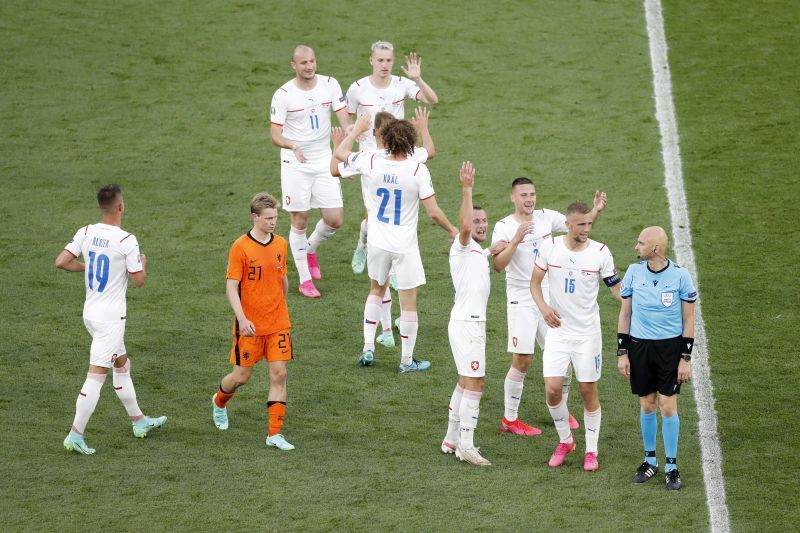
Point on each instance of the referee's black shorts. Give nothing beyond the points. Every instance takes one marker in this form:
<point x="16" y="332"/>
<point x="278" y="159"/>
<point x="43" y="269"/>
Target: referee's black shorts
<point x="654" y="366"/>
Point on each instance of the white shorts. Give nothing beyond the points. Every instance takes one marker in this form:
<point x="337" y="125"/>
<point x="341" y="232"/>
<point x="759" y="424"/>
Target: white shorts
<point x="468" y="343"/>
<point x="108" y="341"/>
<point x="406" y="266"/>
<point x="585" y="353"/>
<point x="526" y="328"/>
<point x="308" y="185"/>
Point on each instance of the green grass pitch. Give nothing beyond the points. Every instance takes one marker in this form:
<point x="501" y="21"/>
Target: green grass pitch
<point x="170" y="99"/>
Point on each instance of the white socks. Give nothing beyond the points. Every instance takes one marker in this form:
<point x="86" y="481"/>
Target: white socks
<point x="87" y="401"/>
<point x="362" y="234"/>
<point x="372" y="313"/>
<point x="299" y="246"/>
<point x="408" y="335"/>
<point x="468" y="418"/>
<point x="453" y="416"/>
<point x="386" y="310"/>
<point x="515" y="380"/>
<point x="123" y="386"/>
<point x="560" y="415"/>
<point x="591" y="422"/>
<point x="322" y="232"/>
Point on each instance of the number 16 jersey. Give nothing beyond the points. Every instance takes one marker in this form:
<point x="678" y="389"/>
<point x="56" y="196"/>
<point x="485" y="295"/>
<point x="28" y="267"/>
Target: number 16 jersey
<point x="109" y="254"/>
<point x="392" y="191"/>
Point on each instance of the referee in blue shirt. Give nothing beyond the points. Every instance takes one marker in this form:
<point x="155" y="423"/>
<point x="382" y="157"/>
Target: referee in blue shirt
<point x="655" y="336"/>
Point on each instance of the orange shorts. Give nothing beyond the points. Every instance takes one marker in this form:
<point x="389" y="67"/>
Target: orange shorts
<point x="247" y="351"/>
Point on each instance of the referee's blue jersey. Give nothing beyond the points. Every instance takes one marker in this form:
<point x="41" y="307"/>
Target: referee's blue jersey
<point x="656" y="299"/>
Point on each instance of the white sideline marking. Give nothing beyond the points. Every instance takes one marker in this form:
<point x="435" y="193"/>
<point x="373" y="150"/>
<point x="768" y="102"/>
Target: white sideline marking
<point x="710" y="452"/>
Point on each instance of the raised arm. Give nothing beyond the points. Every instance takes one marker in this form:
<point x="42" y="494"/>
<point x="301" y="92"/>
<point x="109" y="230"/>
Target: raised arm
<point x="343" y="151"/>
<point x="420" y="120"/>
<point x="413" y="70"/>
<point x="467" y="177"/>
<point x="599" y="204"/>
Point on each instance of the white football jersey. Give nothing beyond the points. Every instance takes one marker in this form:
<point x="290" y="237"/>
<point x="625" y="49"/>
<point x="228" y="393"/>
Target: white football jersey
<point x="363" y="96"/>
<point x="392" y="191"/>
<point x="520" y="269"/>
<point x="110" y="254"/>
<point x="574" y="282"/>
<point x="420" y="155"/>
<point x="306" y="115"/>
<point x="469" y="269"/>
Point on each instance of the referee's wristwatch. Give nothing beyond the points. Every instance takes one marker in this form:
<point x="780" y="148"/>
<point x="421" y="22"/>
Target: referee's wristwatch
<point x="621" y="352"/>
<point x="686" y="357"/>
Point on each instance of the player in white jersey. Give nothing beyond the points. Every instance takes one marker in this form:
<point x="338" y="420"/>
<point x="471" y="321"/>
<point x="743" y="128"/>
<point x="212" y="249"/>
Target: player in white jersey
<point x="421" y="155"/>
<point x="111" y="255"/>
<point x="301" y="126"/>
<point x="467" y="328"/>
<point x="518" y="237"/>
<point x="574" y="265"/>
<point x="393" y="189"/>
<point x="382" y="91"/>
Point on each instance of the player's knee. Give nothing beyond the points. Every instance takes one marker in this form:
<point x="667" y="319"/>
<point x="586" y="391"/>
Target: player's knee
<point x="334" y="222"/>
<point x="522" y="363"/>
<point x="277" y="375"/>
<point x="553" y="395"/>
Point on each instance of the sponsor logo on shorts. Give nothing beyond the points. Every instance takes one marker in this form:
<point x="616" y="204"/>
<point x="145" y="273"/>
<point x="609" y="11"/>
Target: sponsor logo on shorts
<point x="475" y="365"/>
<point x="246" y="355"/>
<point x="667" y="298"/>
<point x="514" y="341"/>
<point x="288" y="200"/>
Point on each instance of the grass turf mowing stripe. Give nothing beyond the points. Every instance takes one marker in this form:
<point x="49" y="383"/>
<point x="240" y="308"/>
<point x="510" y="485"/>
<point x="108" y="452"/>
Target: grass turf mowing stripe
<point x="673" y="180"/>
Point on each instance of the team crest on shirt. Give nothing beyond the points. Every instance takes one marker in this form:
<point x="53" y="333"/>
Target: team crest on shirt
<point x="475" y="365"/>
<point x="667" y="298"/>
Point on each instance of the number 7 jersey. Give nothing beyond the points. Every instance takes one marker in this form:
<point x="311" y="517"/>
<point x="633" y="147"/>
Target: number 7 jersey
<point x="110" y="254"/>
<point x="392" y="191"/>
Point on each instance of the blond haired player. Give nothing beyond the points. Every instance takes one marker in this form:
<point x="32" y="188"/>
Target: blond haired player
<point x="382" y="91"/>
<point x="300" y="118"/>
<point x="256" y="287"/>
<point x="111" y="256"/>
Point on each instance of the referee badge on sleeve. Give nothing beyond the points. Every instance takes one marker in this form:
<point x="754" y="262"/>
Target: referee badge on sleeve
<point x="667" y="298"/>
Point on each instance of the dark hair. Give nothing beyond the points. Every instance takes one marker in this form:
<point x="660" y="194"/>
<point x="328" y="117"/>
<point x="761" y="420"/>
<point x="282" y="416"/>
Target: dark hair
<point x="382" y="118"/>
<point x="107" y="196"/>
<point x="399" y="137"/>
<point x="476" y="207"/>
<point x="522" y="180"/>
<point x="579" y="208"/>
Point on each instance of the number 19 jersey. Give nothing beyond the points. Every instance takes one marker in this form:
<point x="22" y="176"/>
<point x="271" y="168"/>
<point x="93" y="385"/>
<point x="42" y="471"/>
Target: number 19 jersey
<point x="392" y="191"/>
<point x="110" y="254"/>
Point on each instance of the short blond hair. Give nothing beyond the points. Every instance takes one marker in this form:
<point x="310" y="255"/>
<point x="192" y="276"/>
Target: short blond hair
<point x="261" y="201"/>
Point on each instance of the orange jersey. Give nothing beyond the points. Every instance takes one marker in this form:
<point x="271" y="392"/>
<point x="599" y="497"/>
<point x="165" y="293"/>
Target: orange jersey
<point x="260" y="269"/>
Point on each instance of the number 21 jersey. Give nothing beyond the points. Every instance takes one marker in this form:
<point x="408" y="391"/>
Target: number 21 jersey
<point x="392" y="191"/>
